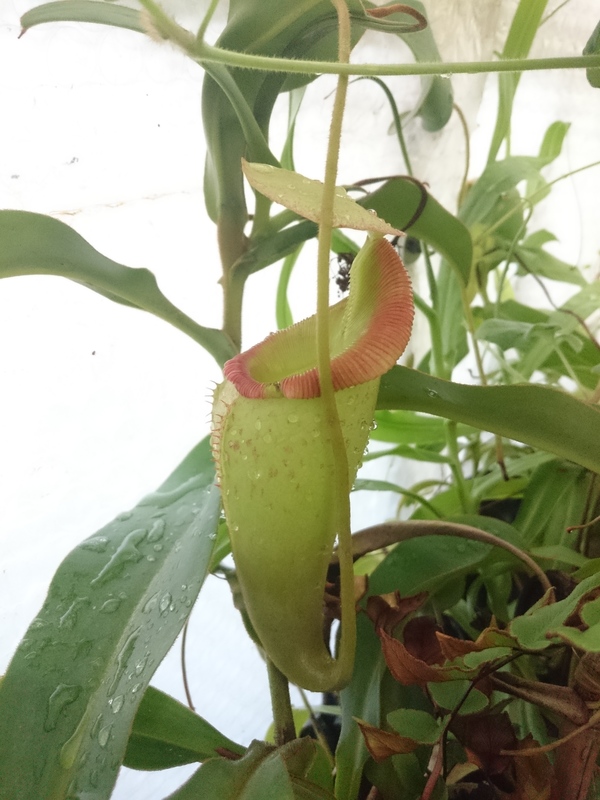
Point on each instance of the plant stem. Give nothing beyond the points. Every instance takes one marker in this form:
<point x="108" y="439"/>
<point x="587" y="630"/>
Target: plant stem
<point x="340" y="503"/>
<point x="388" y="533"/>
<point x="206" y="53"/>
<point x="283" y="718"/>
<point x="456" y="468"/>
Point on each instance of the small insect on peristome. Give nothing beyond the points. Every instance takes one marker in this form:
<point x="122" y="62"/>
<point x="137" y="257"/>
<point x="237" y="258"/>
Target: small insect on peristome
<point x="342" y="278"/>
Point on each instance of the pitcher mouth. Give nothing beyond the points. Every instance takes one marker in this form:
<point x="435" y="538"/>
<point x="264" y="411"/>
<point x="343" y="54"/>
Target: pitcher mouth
<point x="369" y="332"/>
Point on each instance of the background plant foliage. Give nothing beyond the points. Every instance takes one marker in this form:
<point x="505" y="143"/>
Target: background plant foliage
<point x="469" y="668"/>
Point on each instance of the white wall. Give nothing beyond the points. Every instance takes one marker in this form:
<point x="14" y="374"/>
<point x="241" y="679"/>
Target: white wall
<point x="101" y="128"/>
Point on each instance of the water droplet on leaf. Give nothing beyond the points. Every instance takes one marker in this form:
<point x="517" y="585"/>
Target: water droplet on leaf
<point x="61" y="697"/>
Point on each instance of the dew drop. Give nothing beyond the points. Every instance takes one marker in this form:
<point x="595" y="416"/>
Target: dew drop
<point x="110" y="606"/>
<point x="157" y="530"/>
<point x="267" y="438"/>
<point x="126" y="552"/>
<point x="69" y="618"/>
<point x="123" y="659"/>
<point x="292" y="418"/>
<point x="431" y="393"/>
<point x="258" y="424"/>
<point x="61" y="697"/>
<point x="96" y="726"/>
<point x="165" y="602"/>
<point x="116" y="703"/>
<point x="141" y="666"/>
<point x="70" y="749"/>
<point x="97" y="544"/>
<point x="125" y="516"/>
<point x="104" y="735"/>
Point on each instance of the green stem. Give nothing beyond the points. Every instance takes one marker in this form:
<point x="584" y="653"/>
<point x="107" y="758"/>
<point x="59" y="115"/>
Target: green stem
<point x="207" y="53"/>
<point x="283" y="718"/>
<point x="437" y="347"/>
<point x="340" y="505"/>
<point x="233" y="295"/>
<point x="456" y="468"/>
<point x="206" y="20"/>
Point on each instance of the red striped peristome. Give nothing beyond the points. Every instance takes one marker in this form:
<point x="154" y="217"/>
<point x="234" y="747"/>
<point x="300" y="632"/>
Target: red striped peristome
<point x="374" y="351"/>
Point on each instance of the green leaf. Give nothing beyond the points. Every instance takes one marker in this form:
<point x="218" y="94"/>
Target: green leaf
<point x="303" y="196"/>
<point x="84" y="11"/>
<point x="229" y="780"/>
<point x="434" y="105"/>
<point x="537" y="261"/>
<point x="588" y="639"/>
<point x="264" y="773"/>
<point x="34" y="244"/>
<point x="520" y="37"/>
<point x="414" y="724"/>
<point x="536" y="415"/>
<point x="283" y="312"/>
<point x="555" y="498"/>
<point x="547" y="336"/>
<point x="114" y="608"/>
<point x="505" y="333"/>
<point x="371" y="485"/>
<point x="361" y="698"/>
<point x="553" y="140"/>
<point x="449" y="694"/>
<point x="498" y="178"/>
<point x="411" y="208"/>
<point x="408" y="427"/>
<point x="559" y="553"/>
<point x="537" y="629"/>
<point x="414" y="453"/>
<point x="427" y="564"/>
<point x="592" y="48"/>
<point x="585" y="302"/>
<point x="166" y="734"/>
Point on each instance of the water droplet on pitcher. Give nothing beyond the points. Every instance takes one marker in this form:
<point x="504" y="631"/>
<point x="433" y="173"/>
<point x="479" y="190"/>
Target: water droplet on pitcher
<point x="292" y="418"/>
<point x="267" y="438"/>
<point x="258" y="424"/>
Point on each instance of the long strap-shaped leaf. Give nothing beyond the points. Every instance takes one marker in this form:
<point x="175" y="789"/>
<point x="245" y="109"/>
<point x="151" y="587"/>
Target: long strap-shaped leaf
<point x="114" y="608"/>
<point x="537" y="415"/>
<point x="34" y="244"/>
